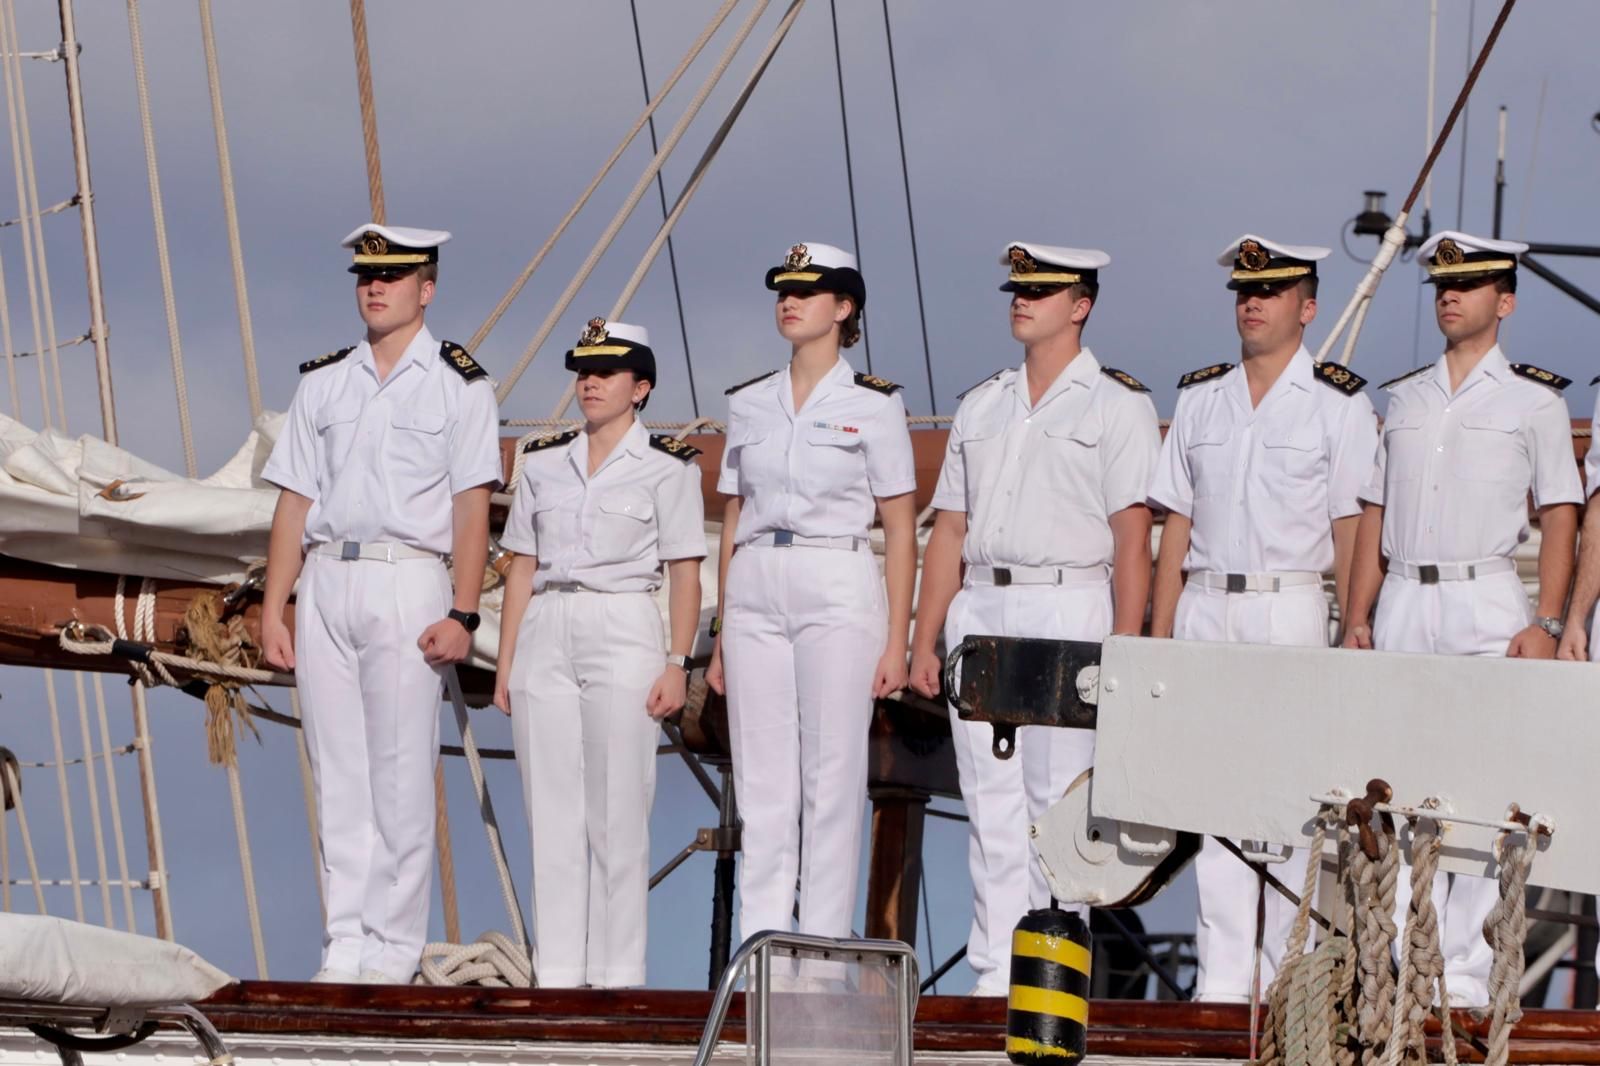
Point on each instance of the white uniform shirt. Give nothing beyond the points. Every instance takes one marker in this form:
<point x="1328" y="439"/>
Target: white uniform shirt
<point x="817" y="471"/>
<point x="1038" y="482"/>
<point x="1591" y="458"/>
<point x="1262" y="485"/>
<point x="380" y="461"/>
<point x="1454" y="471"/>
<point x="612" y="530"/>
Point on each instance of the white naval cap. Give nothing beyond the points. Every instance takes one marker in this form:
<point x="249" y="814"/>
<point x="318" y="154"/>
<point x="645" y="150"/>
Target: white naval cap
<point x="613" y="346"/>
<point x="380" y="249"/>
<point x="1451" y="255"/>
<point x="1255" y="259"/>
<point x="1046" y="265"/>
<point x="813" y="266"/>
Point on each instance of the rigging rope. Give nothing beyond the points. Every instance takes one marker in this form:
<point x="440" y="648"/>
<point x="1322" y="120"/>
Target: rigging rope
<point x="623" y="212"/>
<point x="230" y="210"/>
<point x="163" y="259"/>
<point x="118" y="835"/>
<point x="309" y="800"/>
<point x="13" y="787"/>
<point x="101" y="865"/>
<point x="446" y="854"/>
<point x="661" y="190"/>
<point x="12" y="77"/>
<point x="64" y="792"/>
<point x="605" y="168"/>
<point x="154" y="842"/>
<point x="695" y="178"/>
<point x="911" y="221"/>
<point x="1506" y="928"/>
<point x="35" y="226"/>
<point x="369" y="109"/>
<point x="1422" y="964"/>
<point x="849" y="171"/>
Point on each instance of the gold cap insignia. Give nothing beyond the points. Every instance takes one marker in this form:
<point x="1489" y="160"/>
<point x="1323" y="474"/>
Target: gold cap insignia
<point x="799" y="258"/>
<point x="374" y="244"/>
<point x="595" y="333"/>
<point x="1252" y="256"/>
<point x="1448" y="253"/>
<point x="1021" y="262"/>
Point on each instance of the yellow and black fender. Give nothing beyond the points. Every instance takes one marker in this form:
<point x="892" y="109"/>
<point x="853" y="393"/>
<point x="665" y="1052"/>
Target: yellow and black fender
<point x="1048" y="1016"/>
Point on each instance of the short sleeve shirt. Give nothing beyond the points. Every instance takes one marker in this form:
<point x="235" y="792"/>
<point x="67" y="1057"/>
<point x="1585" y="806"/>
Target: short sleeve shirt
<point x="1591" y="458"/>
<point x="1455" y="469"/>
<point x="817" y="471"/>
<point x="380" y="461"/>
<point x="1039" y="482"/>
<point x="1262" y="484"/>
<point x="609" y="531"/>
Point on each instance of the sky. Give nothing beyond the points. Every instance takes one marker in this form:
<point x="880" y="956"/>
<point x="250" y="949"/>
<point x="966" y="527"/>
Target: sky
<point x="1158" y="131"/>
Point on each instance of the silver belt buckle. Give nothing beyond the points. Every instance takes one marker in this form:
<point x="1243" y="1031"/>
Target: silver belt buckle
<point x="1428" y="574"/>
<point x="350" y="551"/>
<point x="783" y="538"/>
<point x="1236" y="583"/>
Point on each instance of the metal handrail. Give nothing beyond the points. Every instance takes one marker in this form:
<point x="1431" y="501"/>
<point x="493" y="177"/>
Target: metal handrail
<point x="759" y="947"/>
<point x="120" y="1027"/>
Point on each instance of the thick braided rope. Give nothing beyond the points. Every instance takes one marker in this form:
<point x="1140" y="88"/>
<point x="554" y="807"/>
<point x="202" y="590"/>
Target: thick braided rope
<point x="1373" y="883"/>
<point x="1506" y="928"/>
<point x="1279" y="1001"/>
<point x="494" y="960"/>
<point x="369" y="109"/>
<point x="1421" y="958"/>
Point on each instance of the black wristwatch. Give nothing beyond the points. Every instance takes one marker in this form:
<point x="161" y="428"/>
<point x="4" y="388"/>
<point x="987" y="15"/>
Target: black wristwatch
<point x="469" y="619"/>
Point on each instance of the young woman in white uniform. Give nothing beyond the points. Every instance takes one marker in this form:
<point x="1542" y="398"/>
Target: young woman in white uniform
<point x="582" y="669"/>
<point x="808" y="639"/>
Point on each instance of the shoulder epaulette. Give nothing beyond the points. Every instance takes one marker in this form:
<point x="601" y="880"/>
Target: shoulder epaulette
<point x="981" y="384"/>
<point x="457" y="358"/>
<point x="325" y="360"/>
<point x="1205" y="373"/>
<point x="1543" y="377"/>
<point x="1339" y="377"/>
<point x="747" y="384"/>
<point x="665" y="442"/>
<point x="1122" y="377"/>
<point x="1407" y="375"/>
<point x="549" y="440"/>
<point x="877" y="384"/>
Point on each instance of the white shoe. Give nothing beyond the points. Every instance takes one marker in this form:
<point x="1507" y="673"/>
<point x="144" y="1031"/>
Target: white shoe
<point x="375" y="977"/>
<point x="326" y="976"/>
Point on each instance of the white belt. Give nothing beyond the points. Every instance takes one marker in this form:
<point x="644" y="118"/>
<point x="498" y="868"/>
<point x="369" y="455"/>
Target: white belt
<point x="575" y="586"/>
<point x="1002" y="576"/>
<point x="786" y="538"/>
<point x="1433" y="573"/>
<point x="1273" y="582"/>
<point x="386" y="551"/>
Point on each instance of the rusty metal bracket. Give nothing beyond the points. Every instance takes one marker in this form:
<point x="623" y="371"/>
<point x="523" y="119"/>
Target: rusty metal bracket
<point x="1016" y="681"/>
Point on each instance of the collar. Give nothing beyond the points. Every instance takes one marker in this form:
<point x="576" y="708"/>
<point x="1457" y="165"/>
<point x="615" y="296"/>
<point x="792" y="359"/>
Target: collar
<point x="839" y="373"/>
<point x="421" y="346"/>
<point x="1494" y="365"/>
<point x="635" y="442"/>
<point x="1083" y="371"/>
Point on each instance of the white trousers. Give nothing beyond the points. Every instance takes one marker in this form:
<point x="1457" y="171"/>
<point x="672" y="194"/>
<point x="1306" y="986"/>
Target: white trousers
<point x="1454" y="618"/>
<point x="586" y="749"/>
<point x="803" y="630"/>
<point x="371" y="707"/>
<point x="1004" y="797"/>
<point x="1225" y="927"/>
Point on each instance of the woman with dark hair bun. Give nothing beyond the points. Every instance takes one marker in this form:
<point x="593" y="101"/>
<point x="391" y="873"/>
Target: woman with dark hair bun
<point x="808" y="637"/>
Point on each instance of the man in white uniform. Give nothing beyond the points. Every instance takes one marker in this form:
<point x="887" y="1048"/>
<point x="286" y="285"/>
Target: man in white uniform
<point x="386" y="461"/>
<point x="1042" y="501"/>
<point x="1464" y="442"/>
<point x="1259" y="477"/>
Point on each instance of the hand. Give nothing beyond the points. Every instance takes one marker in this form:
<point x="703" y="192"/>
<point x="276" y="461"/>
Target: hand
<point x="891" y="673"/>
<point x="446" y="641"/>
<point x="1359" y="637"/>
<point x="1532" y="643"/>
<point x="1574" y="645"/>
<point x="925" y="673"/>
<point x="277" y="645"/>
<point x="668" y="694"/>
<point x="502" y="693"/>
<point x="714" y="676"/>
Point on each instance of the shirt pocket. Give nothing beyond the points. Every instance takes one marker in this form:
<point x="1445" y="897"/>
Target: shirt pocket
<point x="1072" y="461"/>
<point x="419" y="442"/>
<point x="1404" y="448"/>
<point x="1491" y="449"/>
<point x="624" y="523"/>
<point x="749" y="452"/>
<point x="1293" y="460"/>
<point x="1211" y="461"/>
<point x="833" y="458"/>
<point x="336" y="424"/>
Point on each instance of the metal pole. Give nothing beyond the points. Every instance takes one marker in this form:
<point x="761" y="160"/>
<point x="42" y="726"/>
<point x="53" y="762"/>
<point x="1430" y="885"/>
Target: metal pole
<point x="722" y="884"/>
<point x="91" y="243"/>
<point x="1500" y="174"/>
<point x="764" y="1003"/>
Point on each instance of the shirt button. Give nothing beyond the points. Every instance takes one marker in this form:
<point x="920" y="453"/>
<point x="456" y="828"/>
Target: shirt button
<point x="1440" y="448"/>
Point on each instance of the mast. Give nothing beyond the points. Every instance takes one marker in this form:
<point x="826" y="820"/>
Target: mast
<point x="91" y="243"/>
